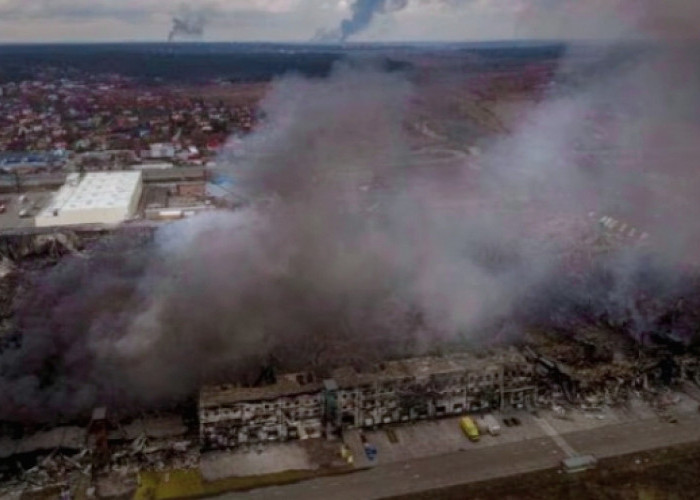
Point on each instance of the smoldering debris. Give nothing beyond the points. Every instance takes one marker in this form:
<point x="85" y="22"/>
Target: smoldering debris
<point x="110" y="458"/>
<point x="19" y="255"/>
<point x="52" y="244"/>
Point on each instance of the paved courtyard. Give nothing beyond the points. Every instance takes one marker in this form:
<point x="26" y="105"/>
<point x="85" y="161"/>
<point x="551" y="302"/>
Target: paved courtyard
<point x="255" y="461"/>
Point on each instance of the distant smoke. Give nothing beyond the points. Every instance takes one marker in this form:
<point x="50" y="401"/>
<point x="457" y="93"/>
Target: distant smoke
<point x="189" y="22"/>
<point x="362" y="12"/>
<point x="556" y="19"/>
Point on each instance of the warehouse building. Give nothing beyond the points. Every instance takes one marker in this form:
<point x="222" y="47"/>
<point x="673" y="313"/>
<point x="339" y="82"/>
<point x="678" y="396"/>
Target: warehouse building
<point x="299" y="406"/>
<point x="93" y="198"/>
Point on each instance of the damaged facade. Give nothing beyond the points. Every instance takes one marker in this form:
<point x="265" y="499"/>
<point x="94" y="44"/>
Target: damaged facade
<point x="289" y="409"/>
<point x="298" y="406"/>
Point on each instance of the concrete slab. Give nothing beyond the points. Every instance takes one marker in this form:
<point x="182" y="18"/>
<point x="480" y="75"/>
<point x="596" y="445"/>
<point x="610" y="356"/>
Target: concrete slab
<point x="31" y="202"/>
<point x="255" y="461"/>
<point x="435" y="437"/>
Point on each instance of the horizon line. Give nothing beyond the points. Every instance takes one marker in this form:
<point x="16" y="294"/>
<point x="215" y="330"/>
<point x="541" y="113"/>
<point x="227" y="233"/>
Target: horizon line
<point x="531" y="41"/>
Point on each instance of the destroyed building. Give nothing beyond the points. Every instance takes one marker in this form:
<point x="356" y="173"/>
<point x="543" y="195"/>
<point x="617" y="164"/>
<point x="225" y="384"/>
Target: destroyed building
<point x="289" y="409"/>
<point x="299" y="406"/>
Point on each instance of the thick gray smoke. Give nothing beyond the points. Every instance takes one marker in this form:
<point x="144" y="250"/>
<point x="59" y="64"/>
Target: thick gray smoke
<point x="350" y="251"/>
<point x="362" y="12"/>
<point x="189" y="22"/>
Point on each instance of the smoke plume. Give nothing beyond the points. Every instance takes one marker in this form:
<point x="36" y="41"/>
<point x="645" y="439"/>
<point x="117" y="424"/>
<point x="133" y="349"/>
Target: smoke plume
<point x="189" y="22"/>
<point x="540" y="19"/>
<point x="352" y="251"/>
<point x="362" y="12"/>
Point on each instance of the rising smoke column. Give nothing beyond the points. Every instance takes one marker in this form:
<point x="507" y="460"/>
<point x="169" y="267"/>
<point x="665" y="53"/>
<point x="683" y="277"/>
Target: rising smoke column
<point x="548" y="19"/>
<point x="188" y="22"/>
<point x="362" y="12"/>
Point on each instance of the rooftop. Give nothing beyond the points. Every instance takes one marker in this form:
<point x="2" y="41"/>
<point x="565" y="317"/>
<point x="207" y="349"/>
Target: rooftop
<point x="294" y="384"/>
<point x="218" y="395"/>
<point x="95" y="190"/>
<point x="424" y="367"/>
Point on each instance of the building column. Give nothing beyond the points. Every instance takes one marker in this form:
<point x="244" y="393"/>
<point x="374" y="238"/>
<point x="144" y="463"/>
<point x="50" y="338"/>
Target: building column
<point x="502" y="388"/>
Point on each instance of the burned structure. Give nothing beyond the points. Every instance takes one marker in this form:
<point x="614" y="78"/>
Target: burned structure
<point x="300" y="406"/>
<point x="288" y="409"/>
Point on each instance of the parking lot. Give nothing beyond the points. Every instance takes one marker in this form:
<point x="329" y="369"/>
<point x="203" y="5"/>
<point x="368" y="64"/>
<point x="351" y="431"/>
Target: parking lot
<point x="434" y="437"/>
<point x="437" y="437"/>
<point x="19" y="210"/>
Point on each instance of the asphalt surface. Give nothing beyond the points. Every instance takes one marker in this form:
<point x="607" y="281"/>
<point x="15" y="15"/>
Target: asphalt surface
<point x="485" y="463"/>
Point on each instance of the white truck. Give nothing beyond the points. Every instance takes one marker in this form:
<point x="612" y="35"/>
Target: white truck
<point x="490" y="425"/>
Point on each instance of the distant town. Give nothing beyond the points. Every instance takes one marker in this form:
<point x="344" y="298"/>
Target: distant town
<point x="53" y="130"/>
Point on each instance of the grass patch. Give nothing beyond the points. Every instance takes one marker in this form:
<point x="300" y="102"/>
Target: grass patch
<point x="189" y="483"/>
<point x="170" y="485"/>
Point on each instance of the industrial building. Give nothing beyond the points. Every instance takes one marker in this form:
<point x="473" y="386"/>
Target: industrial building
<point x="298" y="406"/>
<point x="93" y="198"/>
<point x="289" y="409"/>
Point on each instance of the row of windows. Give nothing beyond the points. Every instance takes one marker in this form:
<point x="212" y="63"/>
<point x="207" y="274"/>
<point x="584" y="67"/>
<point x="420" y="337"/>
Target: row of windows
<point x="368" y="391"/>
<point x="238" y="414"/>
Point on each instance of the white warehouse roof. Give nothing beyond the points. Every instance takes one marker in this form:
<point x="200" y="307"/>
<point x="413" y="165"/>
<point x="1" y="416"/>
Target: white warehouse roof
<point x="96" y="197"/>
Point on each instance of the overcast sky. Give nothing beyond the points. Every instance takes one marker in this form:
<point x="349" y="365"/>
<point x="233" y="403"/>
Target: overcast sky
<point x="299" y="20"/>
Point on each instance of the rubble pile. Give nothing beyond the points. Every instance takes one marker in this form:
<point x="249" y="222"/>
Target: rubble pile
<point x="51" y="245"/>
<point x="120" y="471"/>
<point x="67" y="456"/>
<point x="600" y="368"/>
<point x="20" y="254"/>
<point x="8" y="285"/>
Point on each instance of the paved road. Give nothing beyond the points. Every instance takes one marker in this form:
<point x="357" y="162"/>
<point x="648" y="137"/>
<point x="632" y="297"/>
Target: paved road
<point x="637" y="436"/>
<point x="421" y="474"/>
<point x="550" y="431"/>
<point x="485" y="463"/>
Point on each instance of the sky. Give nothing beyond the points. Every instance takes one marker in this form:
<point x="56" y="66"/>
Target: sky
<point x="301" y="20"/>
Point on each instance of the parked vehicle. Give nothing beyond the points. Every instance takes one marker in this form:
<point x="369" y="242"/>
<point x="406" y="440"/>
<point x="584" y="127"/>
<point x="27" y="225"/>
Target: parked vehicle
<point x="370" y="451"/>
<point x="491" y="425"/>
<point x="469" y="428"/>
